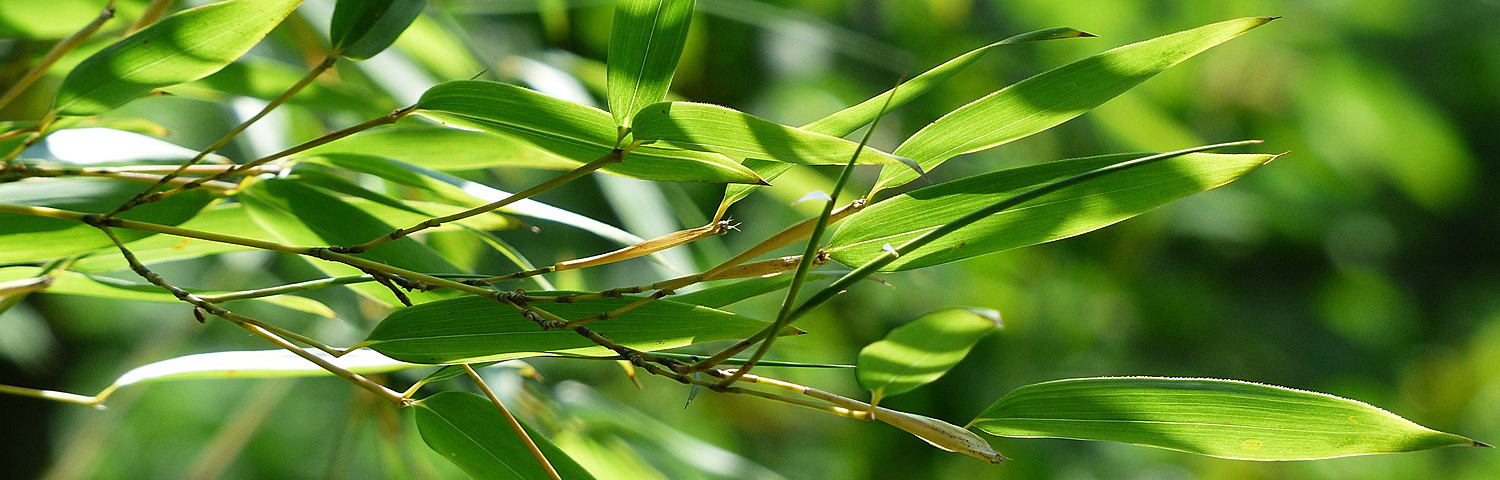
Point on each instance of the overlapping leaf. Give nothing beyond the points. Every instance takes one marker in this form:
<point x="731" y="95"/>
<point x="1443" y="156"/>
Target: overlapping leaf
<point x="29" y="238"/>
<point x="712" y="128"/>
<point x="923" y="350"/>
<point x="474" y="329"/>
<point x="186" y="46"/>
<point x="362" y="28"/>
<point x="65" y="282"/>
<point x="1220" y="418"/>
<point x="643" y="50"/>
<point x="1054" y="97"/>
<point x="470" y="431"/>
<point x="1071" y="211"/>
<point x="447" y="149"/>
<point x="574" y="131"/>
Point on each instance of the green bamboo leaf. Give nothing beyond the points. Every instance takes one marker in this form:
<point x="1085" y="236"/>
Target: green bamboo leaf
<point x="643" y="50"/>
<point x="470" y="431"/>
<point x="846" y="121"/>
<point x="362" y="28"/>
<point x="186" y="46"/>
<point x="1054" y="97"/>
<point x="473" y="329"/>
<point x="446" y="149"/>
<point x="301" y="215"/>
<point x="65" y="282"/>
<point x="25" y="238"/>
<point x="712" y="128"/>
<point x="923" y="350"/>
<point x="1219" y="418"/>
<point x="54" y="19"/>
<point x="1074" y="210"/>
<point x="255" y="364"/>
<point x="574" y="131"/>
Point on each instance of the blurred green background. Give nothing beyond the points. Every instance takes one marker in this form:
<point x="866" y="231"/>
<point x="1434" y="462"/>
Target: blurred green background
<point x="1365" y="264"/>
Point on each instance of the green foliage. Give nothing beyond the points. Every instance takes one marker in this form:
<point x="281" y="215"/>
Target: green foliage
<point x="362" y="28"/>
<point x="643" y="51"/>
<point x="1220" y="418"/>
<point x="467" y="430"/>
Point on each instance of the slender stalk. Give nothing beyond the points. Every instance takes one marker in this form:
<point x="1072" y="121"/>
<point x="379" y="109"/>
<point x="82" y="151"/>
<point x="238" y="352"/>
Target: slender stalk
<point x="634" y="251"/>
<point x="52" y="395"/>
<point x="531" y="446"/>
<point x="41" y="172"/>
<point x="153" y="12"/>
<point x="614" y="156"/>
<point x="56" y="53"/>
<point x="325" y="139"/>
<point x="234" y="132"/>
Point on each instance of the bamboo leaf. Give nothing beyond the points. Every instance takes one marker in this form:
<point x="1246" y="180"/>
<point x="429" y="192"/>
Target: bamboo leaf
<point x="574" y="131"/>
<point x="256" y="364"/>
<point x="1219" y="418"/>
<point x="846" y="121"/>
<point x="186" y="46"/>
<point x="65" y="282"/>
<point x="297" y="214"/>
<point x="473" y="329"/>
<point x="362" y="28"/>
<point x="1074" y="210"/>
<point x="1054" y="97"/>
<point x="923" y="350"/>
<point x="469" y="431"/>
<point x="643" y="50"/>
<point x="25" y="238"/>
<point x="712" y="128"/>
<point x="446" y="149"/>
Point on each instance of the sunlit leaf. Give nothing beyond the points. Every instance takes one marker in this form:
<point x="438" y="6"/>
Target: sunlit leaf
<point x="470" y="431"/>
<point x="643" y="50"/>
<point x="1071" y="211"/>
<point x="257" y="364"/>
<point x="574" y="131"/>
<point x="55" y="19"/>
<point x="362" y="28"/>
<point x="73" y="283"/>
<point x="712" y="128"/>
<point x="26" y="238"/>
<point x="186" y="46"/>
<point x="1054" y="97"/>
<point x="923" y="350"/>
<point x="474" y="329"/>
<point x="104" y="147"/>
<point x="1220" y="418"/>
<point x="447" y="149"/>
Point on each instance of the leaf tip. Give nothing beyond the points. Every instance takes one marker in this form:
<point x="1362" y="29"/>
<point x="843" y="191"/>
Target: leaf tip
<point x="988" y="314"/>
<point x="1478" y="443"/>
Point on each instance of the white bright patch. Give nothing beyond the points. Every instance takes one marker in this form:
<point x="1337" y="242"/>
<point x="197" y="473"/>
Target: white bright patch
<point x="105" y="145"/>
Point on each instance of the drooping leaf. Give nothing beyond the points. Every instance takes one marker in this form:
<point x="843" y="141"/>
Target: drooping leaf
<point x="1071" y="211"/>
<point x="471" y="432"/>
<point x="474" y="329"/>
<point x="574" y="131"/>
<point x="923" y="350"/>
<point x="362" y="28"/>
<point x="446" y="149"/>
<point x="846" y="121"/>
<point x="300" y="215"/>
<point x="1219" y="418"/>
<point x="186" y="46"/>
<point x="712" y="128"/>
<point x="25" y="238"/>
<point x="1054" y="97"/>
<point x="644" y="47"/>
<point x="65" y="282"/>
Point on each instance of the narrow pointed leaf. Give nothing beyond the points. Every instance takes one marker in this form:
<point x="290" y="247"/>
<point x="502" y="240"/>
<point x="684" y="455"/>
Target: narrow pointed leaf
<point x="923" y="350"/>
<point x="846" y="121"/>
<point x="257" y="364"/>
<point x="446" y="149"/>
<point x="643" y="50"/>
<point x="1074" y="210"/>
<point x="1056" y="96"/>
<point x="362" y="28"/>
<point x="573" y="131"/>
<point x="1219" y="418"/>
<point x="473" y="329"/>
<point x="25" y="238"/>
<point x="186" y="46"/>
<point x="712" y="128"/>
<point x="470" y="431"/>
